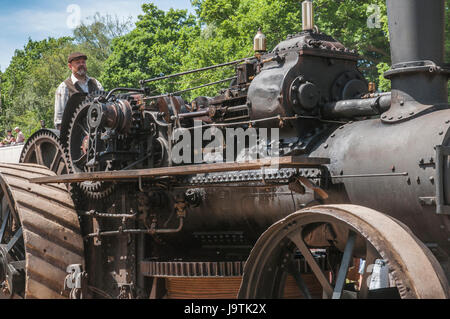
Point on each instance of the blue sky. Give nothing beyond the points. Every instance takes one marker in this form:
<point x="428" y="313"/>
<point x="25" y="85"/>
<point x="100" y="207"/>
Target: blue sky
<point x="23" y="19"/>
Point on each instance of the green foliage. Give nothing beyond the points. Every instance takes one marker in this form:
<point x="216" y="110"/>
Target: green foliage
<point x="155" y="47"/>
<point x="26" y="84"/>
<point x="359" y="25"/>
<point x="30" y="81"/>
<point x="162" y="43"/>
<point x="95" y="39"/>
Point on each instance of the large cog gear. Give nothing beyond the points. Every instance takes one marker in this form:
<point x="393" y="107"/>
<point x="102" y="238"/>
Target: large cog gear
<point x="78" y="133"/>
<point x="44" y="148"/>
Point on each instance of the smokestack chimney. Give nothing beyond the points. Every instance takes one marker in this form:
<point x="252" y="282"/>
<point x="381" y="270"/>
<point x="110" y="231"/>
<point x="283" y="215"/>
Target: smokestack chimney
<point x="417" y="74"/>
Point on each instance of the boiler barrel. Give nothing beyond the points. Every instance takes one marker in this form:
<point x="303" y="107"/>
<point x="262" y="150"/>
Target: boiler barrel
<point x="392" y="169"/>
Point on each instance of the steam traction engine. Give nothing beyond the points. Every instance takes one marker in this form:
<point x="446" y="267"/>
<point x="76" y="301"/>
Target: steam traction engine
<point x="124" y="202"/>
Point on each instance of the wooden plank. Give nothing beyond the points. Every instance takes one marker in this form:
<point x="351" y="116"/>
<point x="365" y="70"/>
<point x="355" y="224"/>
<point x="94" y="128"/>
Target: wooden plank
<point x="281" y="162"/>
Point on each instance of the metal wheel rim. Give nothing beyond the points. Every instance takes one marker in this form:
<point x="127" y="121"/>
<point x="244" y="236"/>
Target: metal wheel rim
<point x="50" y="230"/>
<point x="258" y="282"/>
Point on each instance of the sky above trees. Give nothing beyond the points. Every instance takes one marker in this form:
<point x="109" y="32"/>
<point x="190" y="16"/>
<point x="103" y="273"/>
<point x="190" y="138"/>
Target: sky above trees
<point x="38" y="20"/>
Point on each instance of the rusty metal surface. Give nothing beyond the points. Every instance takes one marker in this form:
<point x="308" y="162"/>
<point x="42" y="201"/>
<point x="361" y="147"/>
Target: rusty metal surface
<point x="288" y="161"/>
<point x="192" y="269"/>
<point x="51" y="230"/>
<point x="416" y="272"/>
<point x="44" y="148"/>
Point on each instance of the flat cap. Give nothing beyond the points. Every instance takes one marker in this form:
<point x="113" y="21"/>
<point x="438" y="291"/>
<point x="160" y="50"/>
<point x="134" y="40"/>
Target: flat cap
<point x="76" y="55"/>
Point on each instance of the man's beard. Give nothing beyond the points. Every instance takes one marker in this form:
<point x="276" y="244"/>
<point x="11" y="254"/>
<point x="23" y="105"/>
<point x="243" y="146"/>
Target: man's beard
<point x="81" y="71"/>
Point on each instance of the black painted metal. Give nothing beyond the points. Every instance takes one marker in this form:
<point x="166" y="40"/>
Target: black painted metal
<point x="416" y="29"/>
<point x="356" y="107"/>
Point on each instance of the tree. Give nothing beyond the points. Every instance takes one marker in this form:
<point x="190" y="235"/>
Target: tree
<point x="155" y="47"/>
<point x="22" y="84"/>
<point x="30" y="81"/>
<point x="95" y="37"/>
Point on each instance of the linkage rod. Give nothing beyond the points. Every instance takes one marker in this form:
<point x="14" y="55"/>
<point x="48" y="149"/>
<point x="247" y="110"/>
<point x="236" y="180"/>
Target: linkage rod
<point x="192" y="71"/>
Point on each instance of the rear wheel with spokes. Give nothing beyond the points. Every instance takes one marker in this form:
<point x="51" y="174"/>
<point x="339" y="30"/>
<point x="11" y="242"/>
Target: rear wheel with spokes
<point x="40" y="234"/>
<point x="355" y="231"/>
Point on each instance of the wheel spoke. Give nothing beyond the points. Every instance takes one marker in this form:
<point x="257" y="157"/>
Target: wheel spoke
<point x="55" y="162"/>
<point x="5" y="221"/>
<point x="14" y="240"/>
<point x="18" y="265"/>
<point x="38" y="153"/>
<point x="345" y="264"/>
<point x="83" y="157"/>
<point x="300" y="282"/>
<point x="371" y="257"/>
<point x="83" y="129"/>
<point x="10" y="203"/>
<point x="297" y="239"/>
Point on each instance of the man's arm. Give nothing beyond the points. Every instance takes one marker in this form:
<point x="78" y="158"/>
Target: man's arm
<point x="61" y="97"/>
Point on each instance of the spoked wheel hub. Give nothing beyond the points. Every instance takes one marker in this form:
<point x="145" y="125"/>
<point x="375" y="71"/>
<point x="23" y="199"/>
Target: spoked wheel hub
<point x="357" y="233"/>
<point x="12" y="277"/>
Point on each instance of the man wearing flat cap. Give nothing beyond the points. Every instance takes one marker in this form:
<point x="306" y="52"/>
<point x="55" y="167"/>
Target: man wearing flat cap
<point x="78" y="82"/>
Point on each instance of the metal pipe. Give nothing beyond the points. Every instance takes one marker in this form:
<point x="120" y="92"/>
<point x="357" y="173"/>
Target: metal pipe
<point x="194" y="71"/>
<point x="138" y="231"/>
<point x="371" y="175"/>
<point x="417" y="38"/>
<point x="204" y="85"/>
<point x="190" y="89"/>
<point x="307" y="15"/>
<point x="120" y="89"/>
<point x="357" y="107"/>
